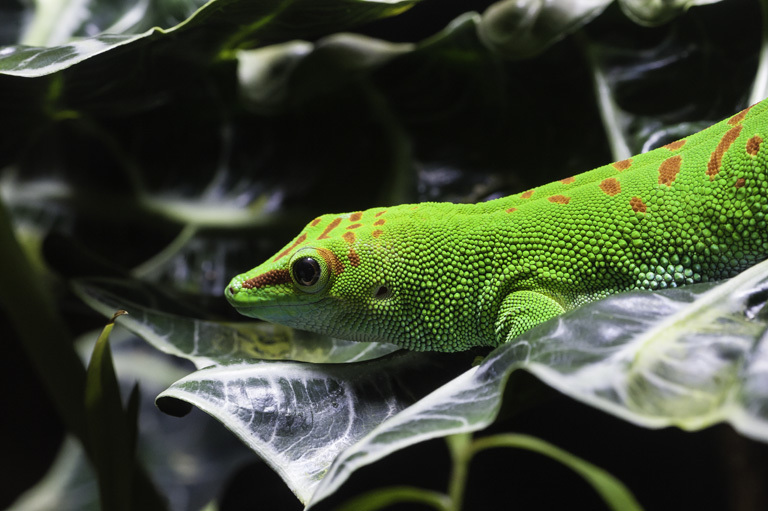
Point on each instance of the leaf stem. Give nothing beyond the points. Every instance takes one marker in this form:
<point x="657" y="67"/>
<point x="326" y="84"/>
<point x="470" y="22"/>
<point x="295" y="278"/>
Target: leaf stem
<point x="460" y="446"/>
<point x="383" y="497"/>
<point x="610" y="489"/>
<point x="610" y="113"/>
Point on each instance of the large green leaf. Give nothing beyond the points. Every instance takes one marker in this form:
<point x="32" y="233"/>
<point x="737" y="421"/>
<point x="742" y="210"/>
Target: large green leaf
<point x="299" y="417"/>
<point x="211" y="342"/>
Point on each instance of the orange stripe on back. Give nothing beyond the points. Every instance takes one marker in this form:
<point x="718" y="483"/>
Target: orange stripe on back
<point x="753" y="145"/>
<point x="331" y="226"/>
<point x="559" y="199"/>
<point x="610" y="186"/>
<point x="669" y="169"/>
<point x="638" y="206"/>
<point x="674" y="146"/>
<point x="354" y="259"/>
<point x="716" y="159"/>
<point x="622" y="165"/>
<point x="736" y="119"/>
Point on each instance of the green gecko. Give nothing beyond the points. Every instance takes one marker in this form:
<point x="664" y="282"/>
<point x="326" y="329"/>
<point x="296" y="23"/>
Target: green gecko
<point x="447" y="277"/>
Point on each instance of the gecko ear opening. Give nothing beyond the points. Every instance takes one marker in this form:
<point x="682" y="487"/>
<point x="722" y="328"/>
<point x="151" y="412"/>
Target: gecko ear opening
<point x="382" y="292"/>
<point x="309" y="270"/>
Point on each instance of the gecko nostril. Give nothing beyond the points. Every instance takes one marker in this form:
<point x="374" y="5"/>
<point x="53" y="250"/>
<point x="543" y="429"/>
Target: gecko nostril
<point x="232" y="290"/>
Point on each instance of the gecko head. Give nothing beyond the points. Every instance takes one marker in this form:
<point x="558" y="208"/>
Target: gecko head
<point x="277" y="288"/>
<point x="326" y="280"/>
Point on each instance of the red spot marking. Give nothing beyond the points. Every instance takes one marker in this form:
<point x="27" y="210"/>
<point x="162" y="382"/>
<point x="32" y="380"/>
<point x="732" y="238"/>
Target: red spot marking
<point x="379" y="222"/>
<point x="331" y="260"/>
<point x="331" y="226"/>
<point x="668" y="170"/>
<point x="354" y="259"/>
<point x="315" y="222"/>
<point x="716" y="159"/>
<point x="568" y="180"/>
<point x="414" y="207"/>
<point x="510" y="210"/>
<point x="623" y="164"/>
<point x="736" y="119"/>
<point x="354" y="226"/>
<point x="638" y="206"/>
<point x="271" y="278"/>
<point x="377" y="233"/>
<point x="288" y="250"/>
<point x="526" y="195"/>
<point x="674" y="146"/>
<point x="377" y="215"/>
<point x="740" y="182"/>
<point x="349" y="237"/>
<point x="610" y="186"/>
<point x="354" y="217"/>
<point x="753" y="145"/>
<point x="559" y="199"/>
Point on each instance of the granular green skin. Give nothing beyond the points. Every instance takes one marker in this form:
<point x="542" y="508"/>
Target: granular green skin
<point x="447" y="277"/>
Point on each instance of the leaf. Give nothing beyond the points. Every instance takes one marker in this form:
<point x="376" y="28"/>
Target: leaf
<point x="210" y="453"/>
<point x="521" y="29"/>
<point x="41" y="330"/>
<point x="55" y="22"/>
<point x="206" y="342"/>
<point x="383" y="498"/>
<point x="222" y="26"/>
<point x="682" y="358"/>
<point x="31" y="61"/>
<point x="266" y="75"/>
<point x="299" y="417"/>
<point x="69" y="484"/>
<point x="111" y="434"/>
<point x="657" y="12"/>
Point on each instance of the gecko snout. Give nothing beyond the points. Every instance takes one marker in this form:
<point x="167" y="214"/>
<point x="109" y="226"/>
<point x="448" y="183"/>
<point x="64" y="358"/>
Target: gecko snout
<point x="232" y="290"/>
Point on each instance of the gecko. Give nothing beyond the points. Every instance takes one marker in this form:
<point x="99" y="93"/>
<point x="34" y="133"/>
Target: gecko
<point x="449" y="277"/>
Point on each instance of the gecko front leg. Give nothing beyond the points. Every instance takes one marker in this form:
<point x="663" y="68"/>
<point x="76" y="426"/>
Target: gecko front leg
<point x="521" y="311"/>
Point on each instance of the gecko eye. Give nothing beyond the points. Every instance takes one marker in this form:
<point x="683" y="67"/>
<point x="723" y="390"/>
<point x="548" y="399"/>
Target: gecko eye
<point x="309" y="270"/>
<point x="306" y="271"/>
